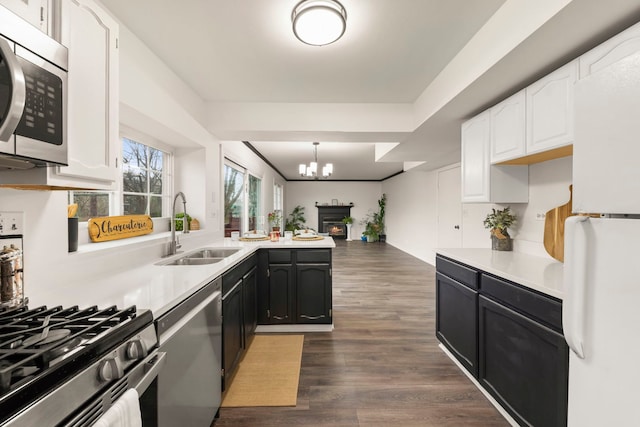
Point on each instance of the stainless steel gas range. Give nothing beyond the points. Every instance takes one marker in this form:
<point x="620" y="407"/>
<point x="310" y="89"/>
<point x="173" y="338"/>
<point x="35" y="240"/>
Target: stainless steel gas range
<point x="67" y="366"/>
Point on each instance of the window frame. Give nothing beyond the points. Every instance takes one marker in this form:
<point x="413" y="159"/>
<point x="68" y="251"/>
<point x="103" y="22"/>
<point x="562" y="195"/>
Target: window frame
<point x="116" y="196"/>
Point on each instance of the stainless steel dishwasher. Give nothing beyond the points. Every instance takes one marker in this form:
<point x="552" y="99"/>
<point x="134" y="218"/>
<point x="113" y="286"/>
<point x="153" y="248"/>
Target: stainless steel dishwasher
<point x="189" y="386"/>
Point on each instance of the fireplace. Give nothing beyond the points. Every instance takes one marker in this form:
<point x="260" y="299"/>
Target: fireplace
<point x="330" y="220"/>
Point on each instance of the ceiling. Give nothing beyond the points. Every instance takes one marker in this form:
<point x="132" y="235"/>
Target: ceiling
<point x="243" y="51"/>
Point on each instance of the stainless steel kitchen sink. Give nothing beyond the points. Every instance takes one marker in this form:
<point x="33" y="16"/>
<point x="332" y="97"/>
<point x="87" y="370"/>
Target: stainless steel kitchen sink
<point x="194" y="261"/>
<point x="202" y="256"/>
<point x="212" y="253"/>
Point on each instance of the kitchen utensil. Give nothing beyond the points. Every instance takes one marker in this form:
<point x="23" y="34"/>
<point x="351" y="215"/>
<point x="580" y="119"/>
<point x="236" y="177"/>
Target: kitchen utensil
<point x="554" y="228"/>
<point x="72" y="210"/>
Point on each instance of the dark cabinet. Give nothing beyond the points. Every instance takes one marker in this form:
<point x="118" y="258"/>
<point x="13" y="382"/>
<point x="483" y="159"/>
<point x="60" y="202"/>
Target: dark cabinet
<point x="313" y="293"/>
<point x="456" y="320"/>
<point x="523" y="364"/>
<point x="232" y="331"/>
<point x="280" y="303"/>
<point x="239" y="315"/>
<point x="509" y="337"/>
<point x="249" y="305"/>
<point x="294" y="286"/>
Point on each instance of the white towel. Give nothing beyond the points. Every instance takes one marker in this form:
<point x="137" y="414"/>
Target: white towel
<point x="125" y="412"/>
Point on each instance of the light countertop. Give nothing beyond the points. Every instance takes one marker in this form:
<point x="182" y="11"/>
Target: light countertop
<point x="538" y="273"/>
<point x="160" y="287"/>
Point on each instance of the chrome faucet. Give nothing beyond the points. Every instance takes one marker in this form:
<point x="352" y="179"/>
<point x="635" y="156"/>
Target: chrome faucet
<point x="174" y="244"/>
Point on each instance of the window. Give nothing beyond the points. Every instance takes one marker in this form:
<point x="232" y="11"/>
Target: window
<point x="144" y="187"/>
<point x="233" y="199"/>
<point x="255" y="208"/>
<point x="277" y="198"/>
<point x="143" y="172"/>
<point x="242" y="200"/>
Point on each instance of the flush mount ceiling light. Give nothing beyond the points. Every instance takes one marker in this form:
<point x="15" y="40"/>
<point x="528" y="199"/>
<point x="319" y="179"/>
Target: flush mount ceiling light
<point x="311" y="171"/>
<point x="319" y="22"/>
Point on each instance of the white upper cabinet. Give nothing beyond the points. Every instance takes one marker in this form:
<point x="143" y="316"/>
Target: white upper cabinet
<point x="483" y="182"/>
<point x="508" y="128"/>
<point x="549" y="110"/>
<point x="91" y="36"/>
<point x="616" y="48"/>
<point x="35" y="12"/>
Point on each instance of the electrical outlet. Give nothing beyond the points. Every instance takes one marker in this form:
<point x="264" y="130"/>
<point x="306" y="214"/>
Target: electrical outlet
<point x="11" y="223"/>
<point x="540" y="216"/>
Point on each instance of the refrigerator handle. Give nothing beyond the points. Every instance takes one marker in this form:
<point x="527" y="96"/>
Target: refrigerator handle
<point x="575" y="274"/>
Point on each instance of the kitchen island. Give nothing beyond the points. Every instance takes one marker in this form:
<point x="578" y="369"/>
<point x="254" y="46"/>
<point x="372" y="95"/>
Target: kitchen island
<point x="159" y="287"/>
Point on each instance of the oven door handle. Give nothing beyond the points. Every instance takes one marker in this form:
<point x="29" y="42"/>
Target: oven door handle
<point x="18" y="92"/>
<point x="153" y="368"/>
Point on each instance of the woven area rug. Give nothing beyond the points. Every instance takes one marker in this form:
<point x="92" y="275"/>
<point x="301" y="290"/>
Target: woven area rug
<point x="268" y="373"/>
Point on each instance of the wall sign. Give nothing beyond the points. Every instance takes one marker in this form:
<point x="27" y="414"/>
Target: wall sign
<point x="107" y="228"/>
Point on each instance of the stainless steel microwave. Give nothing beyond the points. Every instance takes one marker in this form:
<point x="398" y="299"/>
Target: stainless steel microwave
<point x="33" y="90"/>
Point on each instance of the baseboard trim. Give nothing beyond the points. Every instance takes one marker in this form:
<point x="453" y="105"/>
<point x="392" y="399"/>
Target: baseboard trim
<point x="475" y="382"/>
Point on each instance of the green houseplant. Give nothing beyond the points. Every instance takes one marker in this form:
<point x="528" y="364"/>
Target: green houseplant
<point x="295" y="220"/>
<point x="348" y="221"/>
<point x="498" y="221"/>
<point x="382" y="203"/>
<point x="275" y="219"/>
<point x="180" y="220"/>
<point x="371" y="226"/>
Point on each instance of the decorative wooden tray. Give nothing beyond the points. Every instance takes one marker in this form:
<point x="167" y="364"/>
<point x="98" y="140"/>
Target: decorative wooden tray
<point x="261" y="239"/>
<point x="306" y="239"/>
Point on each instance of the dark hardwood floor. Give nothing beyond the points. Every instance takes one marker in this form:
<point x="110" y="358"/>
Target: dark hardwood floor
<point x="381" y="366"/>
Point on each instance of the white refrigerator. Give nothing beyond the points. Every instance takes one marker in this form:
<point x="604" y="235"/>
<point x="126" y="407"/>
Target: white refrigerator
<point x="601" y="307"/>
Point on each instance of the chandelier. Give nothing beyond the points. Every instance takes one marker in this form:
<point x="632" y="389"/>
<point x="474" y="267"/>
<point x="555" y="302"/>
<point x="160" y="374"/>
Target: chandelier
<point x="319" y="22"/>
<point x="311" y="171"/>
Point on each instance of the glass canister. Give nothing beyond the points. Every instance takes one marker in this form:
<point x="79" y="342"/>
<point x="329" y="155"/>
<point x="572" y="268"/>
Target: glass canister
<point x="11" y="276"/>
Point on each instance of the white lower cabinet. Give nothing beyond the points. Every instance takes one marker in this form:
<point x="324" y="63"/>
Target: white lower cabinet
<point x="483" y="182"/>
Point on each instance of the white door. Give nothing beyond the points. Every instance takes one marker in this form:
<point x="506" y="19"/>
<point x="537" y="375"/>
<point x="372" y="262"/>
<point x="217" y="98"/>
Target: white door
<point x="449" y="209"/>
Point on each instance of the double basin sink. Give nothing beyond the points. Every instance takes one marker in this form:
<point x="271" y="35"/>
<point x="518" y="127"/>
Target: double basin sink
<point x="202" y="256"/>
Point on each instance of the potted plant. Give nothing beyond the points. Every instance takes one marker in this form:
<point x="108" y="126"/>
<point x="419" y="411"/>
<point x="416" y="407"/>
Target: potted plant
<point x="498" y="221"/>
<point x="275" y="219"/>
<point x="348" y="221"/>
<point x="371" y="226"/>
<point x="179" y="221"/>
<point x="382" y="203"/>
<point x="296" y="219"/>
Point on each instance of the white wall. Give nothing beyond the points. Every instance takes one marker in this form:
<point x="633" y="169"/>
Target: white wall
<point x="363" y="194"/>
<point x="411" y="213"/>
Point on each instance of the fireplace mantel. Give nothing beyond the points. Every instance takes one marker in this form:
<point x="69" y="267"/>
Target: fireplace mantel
<point x="330" y="219"/>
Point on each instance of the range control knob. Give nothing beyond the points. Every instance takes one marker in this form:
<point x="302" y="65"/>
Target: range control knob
<point x="136" y="350"/>
<point x="110" y="369"/>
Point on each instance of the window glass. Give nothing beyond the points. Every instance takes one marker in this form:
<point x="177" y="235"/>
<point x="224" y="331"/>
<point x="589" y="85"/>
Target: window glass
<point x="91" y="204"/>
<point x="233" y="199"/>
<point x="143" y="176"/>
<point x="255" y="196"/>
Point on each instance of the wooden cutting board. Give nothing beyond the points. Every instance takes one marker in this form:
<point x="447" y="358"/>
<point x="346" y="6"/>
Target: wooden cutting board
<point x="554" y="228"/>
